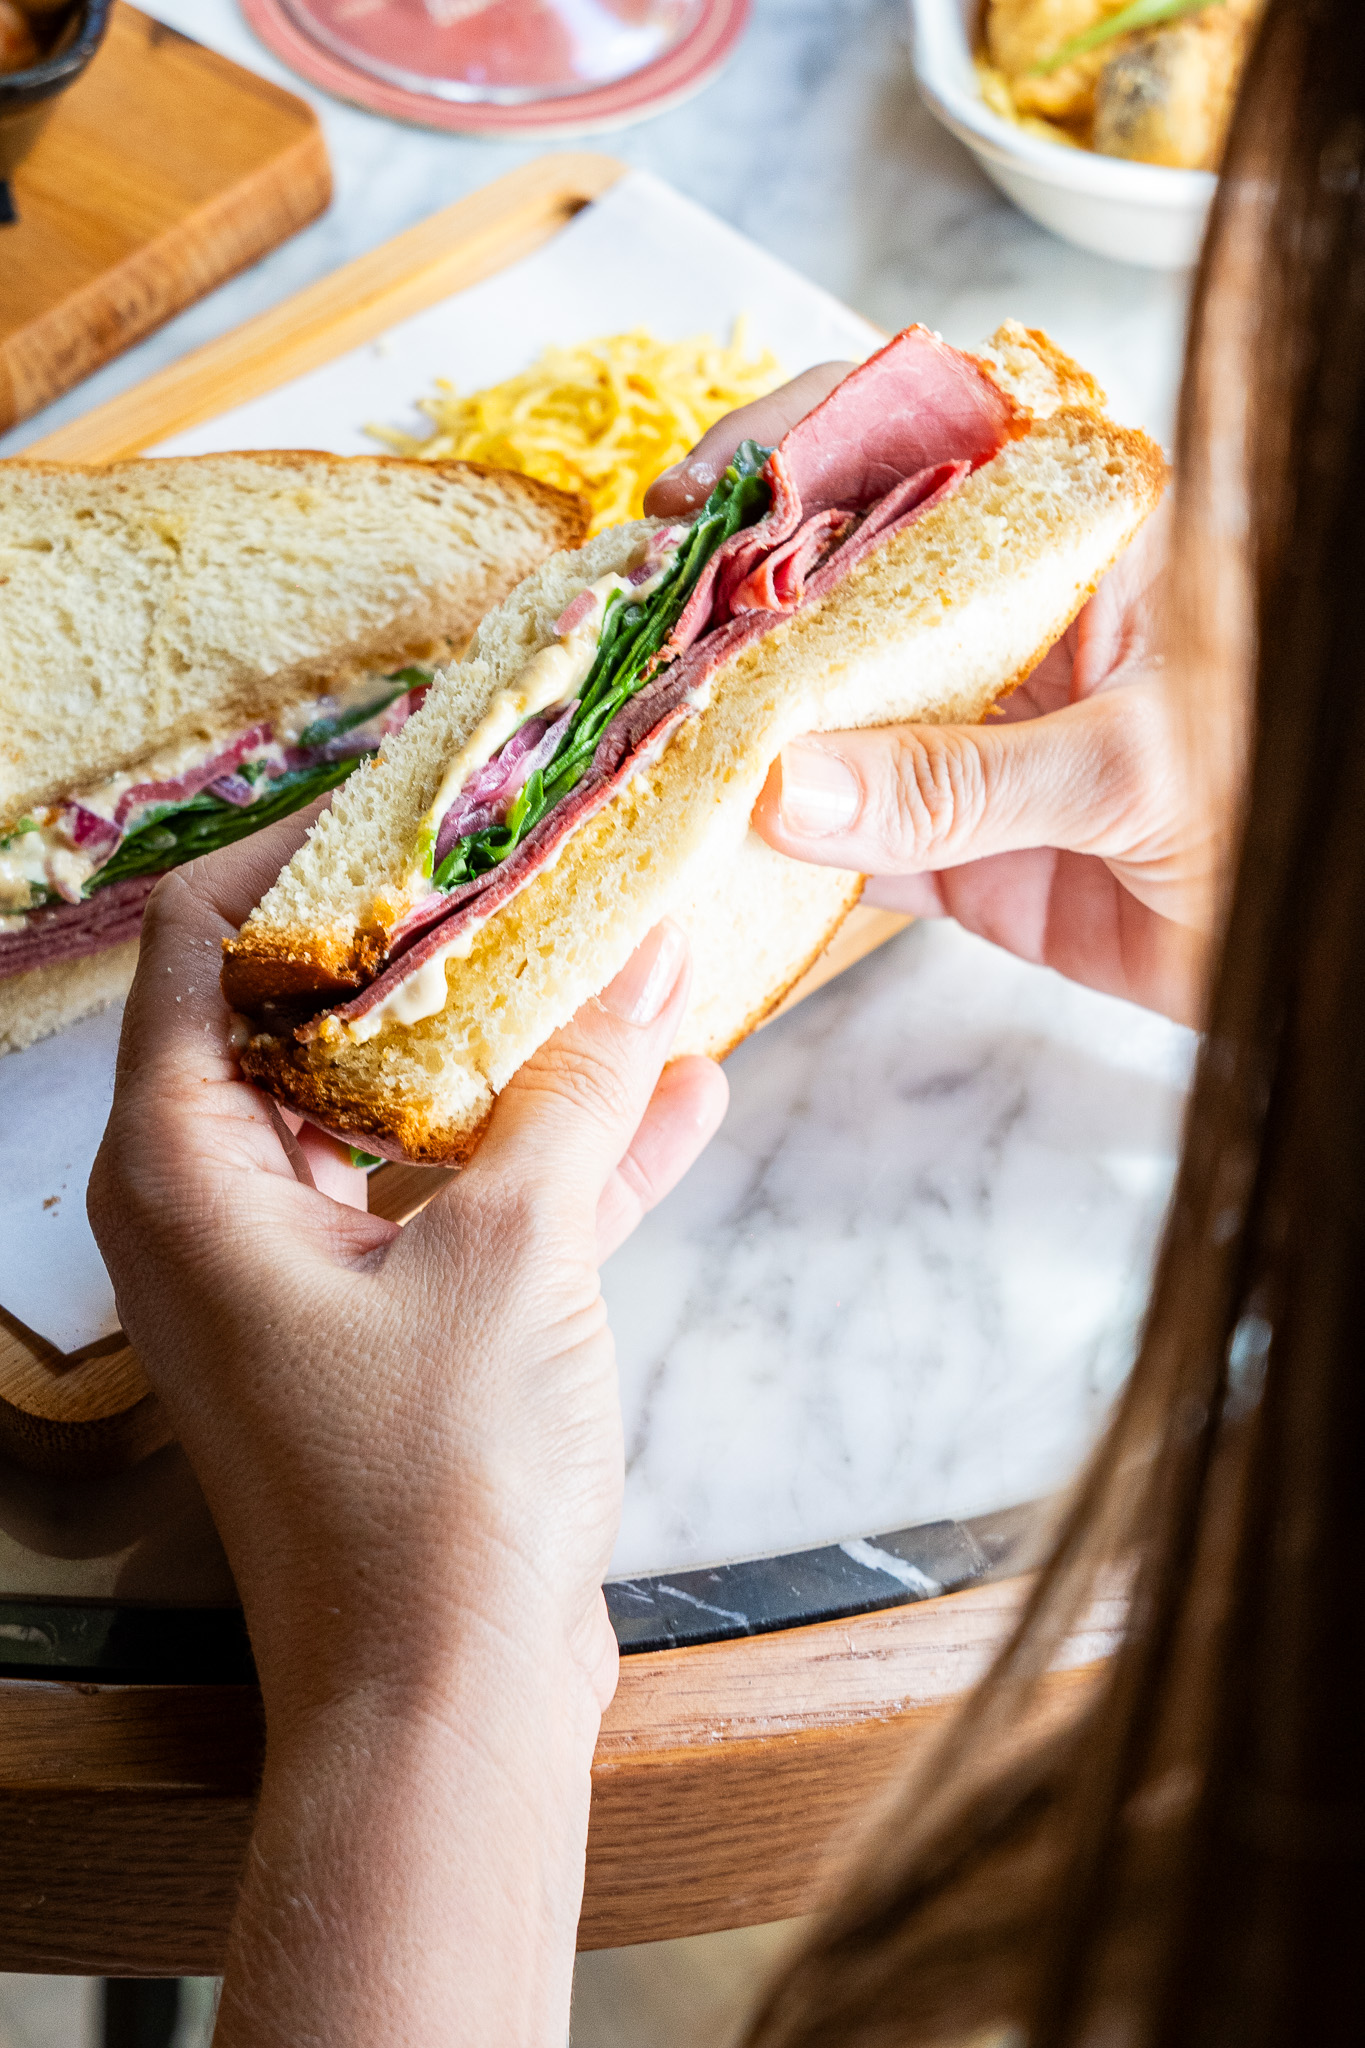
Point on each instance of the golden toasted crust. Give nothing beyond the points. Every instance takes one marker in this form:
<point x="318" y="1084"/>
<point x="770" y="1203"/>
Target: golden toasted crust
<point x="268" y="966"/>
<point x="292" y="1074"/>
<point x="1022" y="352"/>
<point x="284" y="1068"/>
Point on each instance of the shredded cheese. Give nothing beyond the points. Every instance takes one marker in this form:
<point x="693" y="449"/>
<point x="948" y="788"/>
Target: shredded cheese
<point x="602" y="419"/>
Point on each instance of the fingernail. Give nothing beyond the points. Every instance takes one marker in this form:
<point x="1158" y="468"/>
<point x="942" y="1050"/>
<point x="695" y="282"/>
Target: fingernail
<point x="648" y="979"/>
<point x="820" y="793"/>
<point x="696" y="480"/>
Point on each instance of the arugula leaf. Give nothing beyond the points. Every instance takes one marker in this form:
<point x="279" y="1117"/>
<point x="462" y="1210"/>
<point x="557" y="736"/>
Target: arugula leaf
<point x="17" y="832"/>
<point x="632" y="635"/>
<point x="323" y="729"/>
<point x="173" y="833"/>
<point x="1139" y="14"/>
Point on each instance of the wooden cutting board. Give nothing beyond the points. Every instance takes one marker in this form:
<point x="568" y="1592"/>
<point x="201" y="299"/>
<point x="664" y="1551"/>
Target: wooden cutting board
<point x="164" y="170"/>
<point x="93" y="1412"/>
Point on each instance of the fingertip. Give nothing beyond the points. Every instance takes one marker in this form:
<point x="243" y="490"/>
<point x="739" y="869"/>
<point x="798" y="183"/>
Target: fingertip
<point x="648" y="982"/>
<point x="908" y="895"/>
<point x="683" y="488"/>
<point x="329" y="1162"/>
<point x="701" y="1085"/>
<point x="682" y="1117"/>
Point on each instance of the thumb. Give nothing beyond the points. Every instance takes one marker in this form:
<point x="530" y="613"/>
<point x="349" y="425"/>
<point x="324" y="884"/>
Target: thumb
<point x="906" y="798"/>
<point x="567" y="1117"/>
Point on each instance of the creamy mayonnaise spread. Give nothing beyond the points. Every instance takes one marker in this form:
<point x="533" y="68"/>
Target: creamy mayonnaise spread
<point x="551" y="677"/>
<point x="39" y="852"/>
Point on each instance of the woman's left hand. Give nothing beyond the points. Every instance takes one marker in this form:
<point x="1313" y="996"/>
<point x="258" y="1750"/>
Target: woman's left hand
<point x="410" y="1443"/>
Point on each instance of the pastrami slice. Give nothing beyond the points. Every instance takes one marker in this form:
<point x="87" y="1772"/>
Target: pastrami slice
<point x="71" y="931"/>
<point x="906" y="415"/>
<point x="915" y="404"/>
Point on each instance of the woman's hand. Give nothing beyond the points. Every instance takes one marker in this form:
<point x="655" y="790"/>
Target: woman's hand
<point x="410" y="1442"/>
<point x="1068" y="830"/>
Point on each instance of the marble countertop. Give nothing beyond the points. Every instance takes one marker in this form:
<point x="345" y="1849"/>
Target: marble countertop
<point x="904" y="1281"/>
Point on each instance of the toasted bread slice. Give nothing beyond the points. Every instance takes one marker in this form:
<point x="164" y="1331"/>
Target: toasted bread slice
<point x="935" y="625"/>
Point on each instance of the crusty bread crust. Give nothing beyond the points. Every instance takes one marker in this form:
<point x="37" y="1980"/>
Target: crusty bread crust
<point x="936" y="626"/>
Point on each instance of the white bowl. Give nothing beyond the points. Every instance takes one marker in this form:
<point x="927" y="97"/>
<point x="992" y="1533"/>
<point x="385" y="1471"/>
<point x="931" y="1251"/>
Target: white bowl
<point x="1137" y="213"/>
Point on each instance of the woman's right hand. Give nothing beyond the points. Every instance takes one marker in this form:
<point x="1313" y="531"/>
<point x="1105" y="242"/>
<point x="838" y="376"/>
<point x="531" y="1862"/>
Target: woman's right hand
<point x="1074" y="829"/>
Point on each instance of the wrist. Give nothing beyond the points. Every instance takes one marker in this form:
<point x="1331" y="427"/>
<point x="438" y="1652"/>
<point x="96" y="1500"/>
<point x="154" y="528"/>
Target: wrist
<point x="417" y="1859"/>
<point x="435" y="1657"/>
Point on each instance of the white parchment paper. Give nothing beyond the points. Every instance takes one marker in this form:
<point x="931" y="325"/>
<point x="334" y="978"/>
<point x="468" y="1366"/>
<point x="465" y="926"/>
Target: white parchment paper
<point x="54" y="1102"/>
<point x="640" y="256"/>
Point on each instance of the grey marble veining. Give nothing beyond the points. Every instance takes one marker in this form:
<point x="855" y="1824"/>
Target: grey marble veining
<point x="904" y="1280"/>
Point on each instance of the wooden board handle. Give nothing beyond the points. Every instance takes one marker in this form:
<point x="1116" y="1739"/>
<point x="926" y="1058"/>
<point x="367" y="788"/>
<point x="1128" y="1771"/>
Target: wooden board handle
<point x="453" y="249"/>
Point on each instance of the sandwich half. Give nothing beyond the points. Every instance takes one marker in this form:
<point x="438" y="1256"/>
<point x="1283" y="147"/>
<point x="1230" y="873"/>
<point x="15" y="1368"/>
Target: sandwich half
<point x="190" y="649"/>
<point x="910" y="551"/>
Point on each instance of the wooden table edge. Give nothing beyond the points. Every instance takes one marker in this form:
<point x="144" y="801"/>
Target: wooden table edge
<point x="727" y="1781"/>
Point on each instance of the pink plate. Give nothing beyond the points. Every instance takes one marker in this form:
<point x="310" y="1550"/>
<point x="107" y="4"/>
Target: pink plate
<point x="529" y="68"/>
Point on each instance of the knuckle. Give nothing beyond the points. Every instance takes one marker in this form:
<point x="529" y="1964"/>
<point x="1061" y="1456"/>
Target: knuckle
<point x="935" y="792"/>
<point x="104" y="1203"/>
<point x="584" y="1077"/>
<point x="1134" y="742"/>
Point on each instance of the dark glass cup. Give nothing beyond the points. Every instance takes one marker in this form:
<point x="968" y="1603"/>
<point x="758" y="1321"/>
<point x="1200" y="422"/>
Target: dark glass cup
<point x="27" y="97"/>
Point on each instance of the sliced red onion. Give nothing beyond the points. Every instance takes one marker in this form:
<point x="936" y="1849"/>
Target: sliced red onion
<point x="489" y="794"/>
<point x="89" y="831"/>
<point x="193" y="780"/>
<point x="538" y="756"/>
<point x="664" y="541"/>
<point x="396" y="715"/>
<point x="233" y="789"/>
<point x="576" y="613"/>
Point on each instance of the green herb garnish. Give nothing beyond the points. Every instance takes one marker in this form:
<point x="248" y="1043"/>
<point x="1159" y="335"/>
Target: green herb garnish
<point x="1139" y="14"/>
<point x="632" y="635"/>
